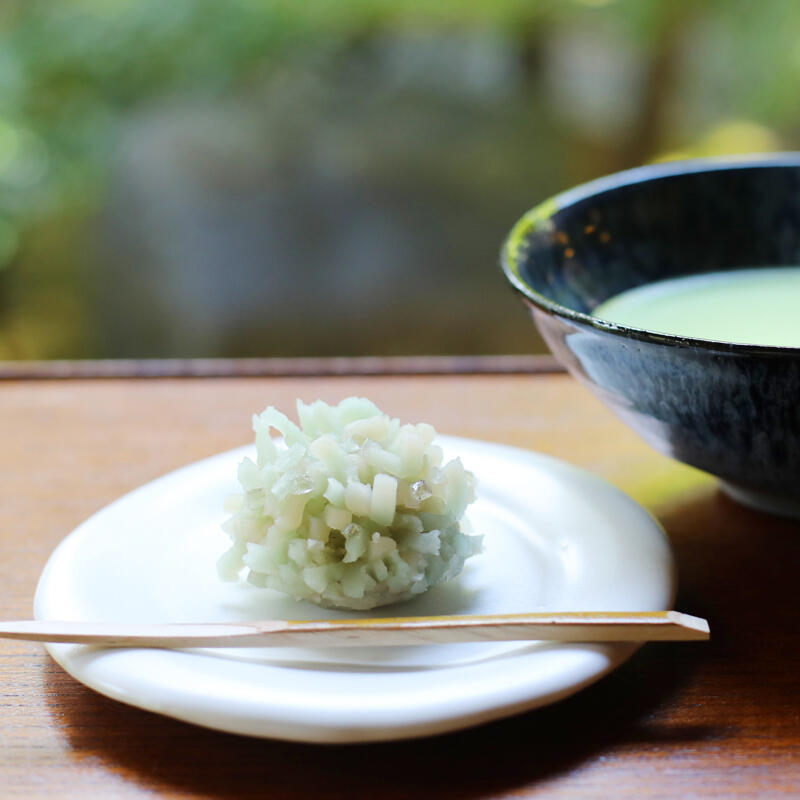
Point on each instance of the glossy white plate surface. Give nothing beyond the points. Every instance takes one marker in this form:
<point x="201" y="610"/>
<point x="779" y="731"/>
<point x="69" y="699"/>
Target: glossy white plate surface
<point x="555" y="539"/>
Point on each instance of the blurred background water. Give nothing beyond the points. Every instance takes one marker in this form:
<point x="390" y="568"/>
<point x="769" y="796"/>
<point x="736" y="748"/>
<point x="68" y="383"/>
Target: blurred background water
<point x="335" y="177"/>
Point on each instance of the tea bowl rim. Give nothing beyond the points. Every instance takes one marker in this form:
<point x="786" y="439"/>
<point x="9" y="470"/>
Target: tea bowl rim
<point x="539" y="216"/>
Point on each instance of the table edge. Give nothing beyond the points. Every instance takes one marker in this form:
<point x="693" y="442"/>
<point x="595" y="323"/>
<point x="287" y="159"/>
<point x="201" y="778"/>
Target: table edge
<point x="278" y="367"/>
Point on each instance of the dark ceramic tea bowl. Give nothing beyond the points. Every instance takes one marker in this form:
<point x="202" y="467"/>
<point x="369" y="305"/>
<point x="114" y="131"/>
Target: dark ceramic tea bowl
<point x="730" y="409"/>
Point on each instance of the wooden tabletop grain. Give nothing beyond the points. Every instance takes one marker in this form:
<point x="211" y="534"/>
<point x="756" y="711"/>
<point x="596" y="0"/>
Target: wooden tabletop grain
<point x="718" y="719"/>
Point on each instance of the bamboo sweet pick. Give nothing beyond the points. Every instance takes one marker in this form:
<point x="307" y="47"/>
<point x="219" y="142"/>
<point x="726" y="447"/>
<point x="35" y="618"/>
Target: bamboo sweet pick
<point x="566" y="627"/>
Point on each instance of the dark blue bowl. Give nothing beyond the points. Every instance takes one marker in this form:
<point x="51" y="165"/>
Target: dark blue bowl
<point x="729" y="409"/>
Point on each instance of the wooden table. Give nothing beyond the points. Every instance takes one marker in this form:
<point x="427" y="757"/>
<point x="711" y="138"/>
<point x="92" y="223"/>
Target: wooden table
<point x="718" y="719"/>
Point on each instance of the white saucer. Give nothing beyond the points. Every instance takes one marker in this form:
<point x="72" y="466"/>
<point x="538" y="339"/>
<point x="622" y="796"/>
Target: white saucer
<point x="555" y="539"/>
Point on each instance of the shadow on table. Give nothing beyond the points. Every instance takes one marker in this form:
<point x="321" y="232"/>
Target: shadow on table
<point x="668" y="699"/>
<point x="165" y="754"/>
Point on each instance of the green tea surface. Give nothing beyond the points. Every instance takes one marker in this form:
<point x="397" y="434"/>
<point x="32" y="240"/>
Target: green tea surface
<point x="747" y="306"/>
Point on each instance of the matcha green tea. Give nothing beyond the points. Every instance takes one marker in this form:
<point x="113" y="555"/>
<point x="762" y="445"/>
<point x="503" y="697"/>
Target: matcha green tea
<point x="748" y="306"/>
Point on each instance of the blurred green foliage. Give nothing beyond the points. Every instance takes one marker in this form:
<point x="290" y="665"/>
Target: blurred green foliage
<point x="719" y="77"/>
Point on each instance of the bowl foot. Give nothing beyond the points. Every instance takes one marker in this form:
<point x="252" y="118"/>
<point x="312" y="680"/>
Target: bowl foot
<point x="780" y="505"/>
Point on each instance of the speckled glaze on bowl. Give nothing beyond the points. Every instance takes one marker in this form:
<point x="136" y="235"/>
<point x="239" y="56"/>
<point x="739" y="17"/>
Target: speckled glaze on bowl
<point x="730" y="409"/>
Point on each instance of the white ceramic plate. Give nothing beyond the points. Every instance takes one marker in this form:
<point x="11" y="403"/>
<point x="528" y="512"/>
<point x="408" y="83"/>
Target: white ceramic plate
<point x="556" y="539"/>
